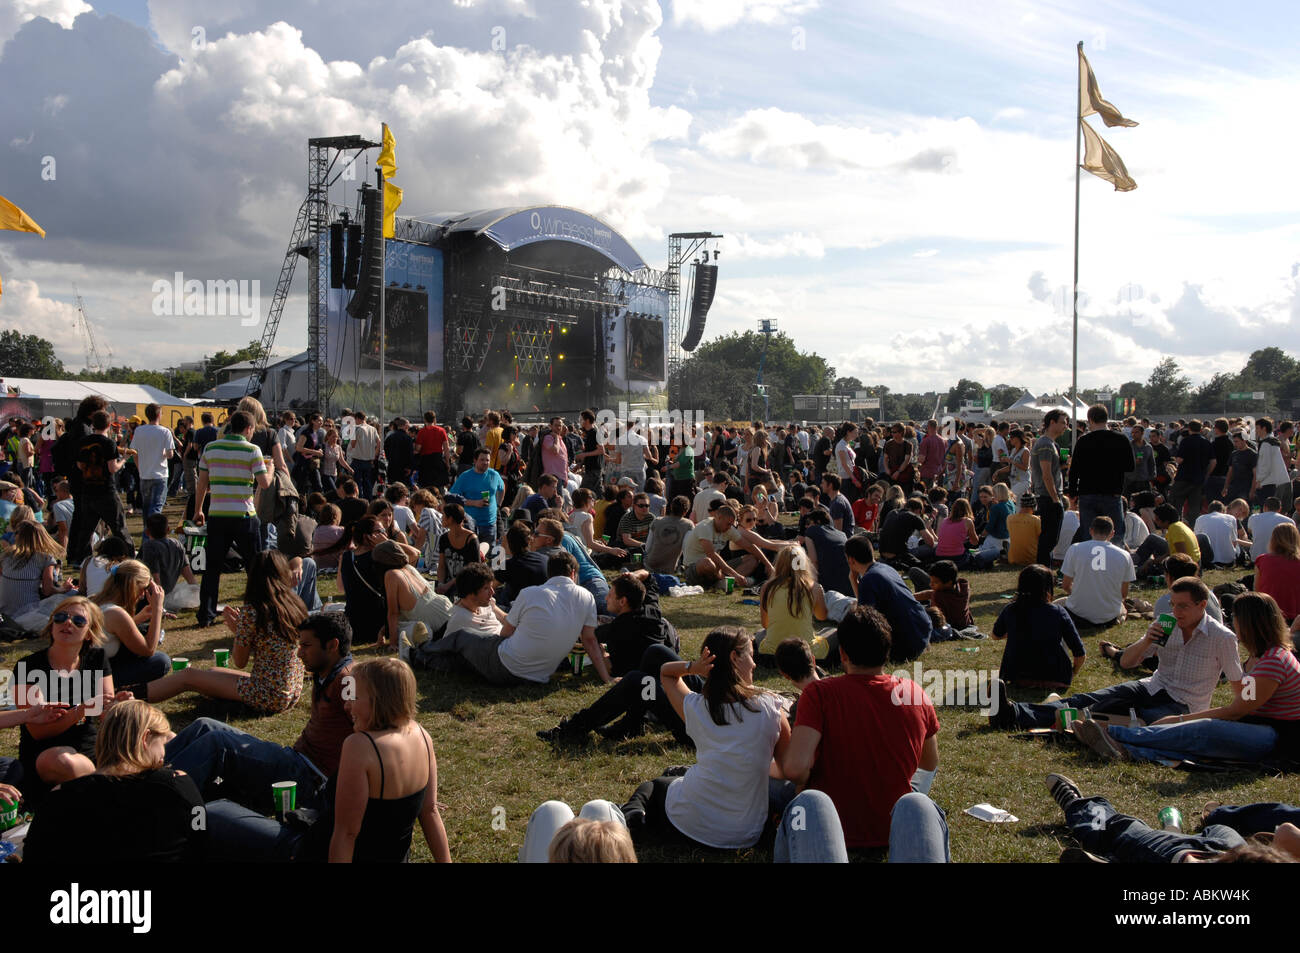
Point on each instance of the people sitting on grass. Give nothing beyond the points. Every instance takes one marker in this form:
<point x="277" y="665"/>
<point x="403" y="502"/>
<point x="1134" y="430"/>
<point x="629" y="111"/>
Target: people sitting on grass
<point x="957" y="533"/>
<point x="794" y="660"/>
<point x="62" y="511"/>
<point x="163" y="554"/>
<point x="1039" y="634"/>
<point x="858" y="743"/>
<point x="638" y="622"/>
<point x="663" y="546"/>
<point x="880" y="586"/>
<point x="540" y="630"/>
<point x="1178" y="537"/>
<point x="1277" y="572"/>
<point x="949" y="593"/>
<point x="823" y="547"/>
<point x="73" y="671"/>
<point x="524" y="566"/>
<point x="139" y="808"/>
<point x="704" y="545"/>
<point x="1096" y="575"/>
<point x="789" y="604"/>
<point x="266" y="631"/>
<point x="134" y="653"/>
<point x="230" y="764"/>
<point x="410" y="598"/>
<point x="95" y="569"/>
<point x="1192" y="658"/>
<point x="29" y="570"/>
<point x="598" y="835"/>
<point x="1262" y="721"/>
<point x="723" y="800"/>
<point x="476" y="609"/>
<point x="1107" y="836"/>
<point x="583" y="522"/>
<point x="1023" y="529"/>
<point x="457" y="547"/>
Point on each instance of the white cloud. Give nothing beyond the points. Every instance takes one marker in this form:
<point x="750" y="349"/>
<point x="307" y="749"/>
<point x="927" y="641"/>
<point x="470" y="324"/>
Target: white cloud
<point x="717" y="15"/>
<point x="14" y="13"/>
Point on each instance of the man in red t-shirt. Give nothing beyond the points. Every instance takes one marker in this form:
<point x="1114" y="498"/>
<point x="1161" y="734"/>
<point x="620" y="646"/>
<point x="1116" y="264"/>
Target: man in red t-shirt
<point x="860" y="737"/>
<point x="431" y="448"/>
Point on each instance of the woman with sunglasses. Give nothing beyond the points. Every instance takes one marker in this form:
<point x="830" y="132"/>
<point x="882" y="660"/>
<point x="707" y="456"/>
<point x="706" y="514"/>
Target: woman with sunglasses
<point x="266" y="631"/>
<point x="133" y="807"/>
<point x="73" y="672"/>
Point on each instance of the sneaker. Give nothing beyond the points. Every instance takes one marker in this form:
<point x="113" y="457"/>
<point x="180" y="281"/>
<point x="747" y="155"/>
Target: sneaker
<point x="1054" y="697"/>
<point x="419" y="634"/>
<point x="1099" y="740"/>
<point x="1077" y="855"/>
<point x="1064" y="791"/>
<point x="561" y="733"/>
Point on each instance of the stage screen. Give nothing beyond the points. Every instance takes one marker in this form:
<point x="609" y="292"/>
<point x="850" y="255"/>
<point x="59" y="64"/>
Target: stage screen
<point x="413" y="320"/>
<point x="645" y="349"/>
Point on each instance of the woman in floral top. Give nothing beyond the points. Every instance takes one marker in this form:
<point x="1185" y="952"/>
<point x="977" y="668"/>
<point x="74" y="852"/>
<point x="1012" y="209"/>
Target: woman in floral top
<point x="265" y="629"/>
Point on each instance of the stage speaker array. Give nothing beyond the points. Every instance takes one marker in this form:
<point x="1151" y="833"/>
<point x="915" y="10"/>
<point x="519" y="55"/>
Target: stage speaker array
<point x="336" y="255"/>
<point x="365" y="302"/>
<point x="352" y="270"/>
<point x="706" y="283"/>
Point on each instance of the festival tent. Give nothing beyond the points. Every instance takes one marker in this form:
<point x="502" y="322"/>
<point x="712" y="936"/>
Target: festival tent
<point x="1030" y="409"/>
<point x="36" y="399"/>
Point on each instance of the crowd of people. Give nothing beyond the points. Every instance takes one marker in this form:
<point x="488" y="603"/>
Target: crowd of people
<point x="509" y="552"/>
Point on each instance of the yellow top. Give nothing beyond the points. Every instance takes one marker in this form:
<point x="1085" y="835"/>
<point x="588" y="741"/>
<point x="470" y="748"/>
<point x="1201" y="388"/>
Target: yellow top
<point x="1024" y="529"/>
<point x="781" y="625"/>
<point x="1181" y="539"/>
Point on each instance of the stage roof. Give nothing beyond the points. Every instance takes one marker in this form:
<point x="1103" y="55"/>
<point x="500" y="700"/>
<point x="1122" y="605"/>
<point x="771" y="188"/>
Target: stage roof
<point x="512" y="228"/>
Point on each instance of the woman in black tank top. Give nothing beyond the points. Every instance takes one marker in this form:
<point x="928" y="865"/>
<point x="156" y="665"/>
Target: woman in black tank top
<point x="384" y="788"/>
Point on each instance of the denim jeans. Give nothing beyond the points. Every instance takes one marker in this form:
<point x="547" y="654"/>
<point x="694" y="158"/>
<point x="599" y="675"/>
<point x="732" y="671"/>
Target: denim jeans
<point x="229" y="763"/>
<point x="550" y="816"/>
<point x="242" y="532"/>
<point x="153" y="494"/>
<point x="1092" y="505"/>
<point x="1125" y="839"/>
<point x="131" y="669"/>
<point x="237" y="834"/>
<point x="1215" y="738"/>
<point x="307" y="588"/>
<point x="363" y="471"/>
<point x="1117" y="699"/>
<point x="598" y="586"/>
<point x="1254" y="818"/>
<point x="811" y="833"/>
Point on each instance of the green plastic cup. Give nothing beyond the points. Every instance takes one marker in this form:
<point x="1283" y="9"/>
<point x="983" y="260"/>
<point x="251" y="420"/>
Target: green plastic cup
<point x="1066" y="717"/>
<point x="1166" y="623"/>
<point x="180" y="663"/>
<point x="285" y="796"/>
<point x="221" y="657"/>
<point x="731" y="585"/>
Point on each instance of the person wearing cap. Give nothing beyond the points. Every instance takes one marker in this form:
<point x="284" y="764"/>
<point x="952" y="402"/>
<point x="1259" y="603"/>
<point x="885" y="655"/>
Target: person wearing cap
<point x="1024" y="529"/>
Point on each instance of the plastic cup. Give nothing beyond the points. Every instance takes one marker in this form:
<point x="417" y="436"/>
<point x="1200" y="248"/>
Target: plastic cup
<point x="1166" y="623"/>
<point x="221" y="657"/>
<point x="1066" y="716"/>
<point x="285" y="796"/>
<point x="487" y="495"/>
<point x="180" y="663"/>
<point x="731" y="585"/>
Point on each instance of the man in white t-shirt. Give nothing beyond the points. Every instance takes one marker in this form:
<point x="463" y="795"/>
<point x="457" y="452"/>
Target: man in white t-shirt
<point x="700" y="508"/>
<point x="1069" y="529"/>
<point x="1261" y="526"/>
<point x="540" y="630"/>
<point x="63" y="510"/>
<point x="1222" y="530"/>
<point x="1097" y="576"/>
<point x="475" y="609"/>
<point x="801" y="434"/>
<point x="154" y="446"/>
<point x="702" y="550"/>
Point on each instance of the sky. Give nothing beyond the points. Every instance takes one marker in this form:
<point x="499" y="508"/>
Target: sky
<point x="893" y="177"/>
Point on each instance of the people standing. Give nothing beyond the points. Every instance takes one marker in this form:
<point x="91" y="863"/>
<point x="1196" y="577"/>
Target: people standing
<point x="1045" y="474"/>
<point x="1102" y="460"/>
<point x="363" y="451"/>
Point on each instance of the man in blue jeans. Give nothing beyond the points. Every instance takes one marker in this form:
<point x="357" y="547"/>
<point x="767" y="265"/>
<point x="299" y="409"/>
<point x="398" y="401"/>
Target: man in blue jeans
<point x="1045" y="478"/>
<point x="1192" y="658"/>
<point x="1102" y="458"/>
<point x="1107" y="835"/>
<point x="240" y="768"/>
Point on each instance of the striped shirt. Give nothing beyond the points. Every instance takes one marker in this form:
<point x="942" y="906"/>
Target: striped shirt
<point x="232" y="465"/>
<point x="1281" y="666"/>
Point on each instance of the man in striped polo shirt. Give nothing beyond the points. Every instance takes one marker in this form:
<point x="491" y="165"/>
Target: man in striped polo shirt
<point x="230" y="466"/>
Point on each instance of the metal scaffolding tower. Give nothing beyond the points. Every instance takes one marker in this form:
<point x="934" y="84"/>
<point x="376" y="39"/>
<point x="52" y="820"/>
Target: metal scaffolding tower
<point x="681" y="246"/>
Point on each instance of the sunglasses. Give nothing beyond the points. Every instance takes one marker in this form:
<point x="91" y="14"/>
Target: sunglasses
<point x="642" y="506"/>
<point x="80" y="621"/>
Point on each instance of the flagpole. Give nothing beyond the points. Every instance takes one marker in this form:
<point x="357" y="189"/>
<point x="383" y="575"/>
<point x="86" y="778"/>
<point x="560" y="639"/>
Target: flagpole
<point x="383" y="349"/>
<point x="1074" y="355"/>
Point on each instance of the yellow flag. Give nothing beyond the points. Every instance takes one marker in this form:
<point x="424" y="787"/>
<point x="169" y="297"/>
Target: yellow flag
<point x="1090" y="101"/>
<point x="15" y="219"/>
<point x="392" y="202"/>
<point x="387" y="160"/>
<point x="1103" y="161"/>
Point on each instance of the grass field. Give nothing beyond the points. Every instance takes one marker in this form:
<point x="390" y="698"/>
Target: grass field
<point x="492" y="767"/>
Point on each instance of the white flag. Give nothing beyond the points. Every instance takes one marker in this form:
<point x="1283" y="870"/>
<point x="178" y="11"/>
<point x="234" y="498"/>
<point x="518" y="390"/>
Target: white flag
<point x="1103" y="161"/>
<point x="1090" y="100"/>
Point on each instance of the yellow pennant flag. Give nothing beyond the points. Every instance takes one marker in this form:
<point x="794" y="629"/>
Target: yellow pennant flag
<point x="1103" y="161"/>
<point x="387" y="160"/>
<point x="1090" y="101"/>
<point x="15" y="219"/>
<point x="392" y="202"/>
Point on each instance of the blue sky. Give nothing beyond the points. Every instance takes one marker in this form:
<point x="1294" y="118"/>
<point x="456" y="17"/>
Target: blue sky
<point x="898" y="169"/>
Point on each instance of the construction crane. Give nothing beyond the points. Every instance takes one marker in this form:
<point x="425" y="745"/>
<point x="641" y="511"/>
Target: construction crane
<point x="94" y="363"/>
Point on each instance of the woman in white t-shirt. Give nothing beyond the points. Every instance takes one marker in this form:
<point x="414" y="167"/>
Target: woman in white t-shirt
<point x="722" y="800"/>
<point x="475" y="609"/>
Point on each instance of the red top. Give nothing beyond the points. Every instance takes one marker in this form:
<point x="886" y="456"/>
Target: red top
<point x="872" y="730"/>
<point x="1279" y="577"/>
<point x="431" y="439"/>
<point x="864" y="515"/>
<point x="1280" y="666"/>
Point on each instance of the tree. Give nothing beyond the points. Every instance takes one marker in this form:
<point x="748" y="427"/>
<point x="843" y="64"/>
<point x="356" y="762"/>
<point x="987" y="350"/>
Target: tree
<point x="719" y="377"/>
<point x="965" y="390"/>
<point x="1213" y="393"/>
<point x="1167" y="391"/>
<point x="1004" y="395"/>
<point x="847" y="385"/>
<point x="28" y="355"/>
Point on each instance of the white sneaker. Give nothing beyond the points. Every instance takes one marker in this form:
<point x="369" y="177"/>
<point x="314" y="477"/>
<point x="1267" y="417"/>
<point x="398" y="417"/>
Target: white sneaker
<point x="419" y="634"/>
<point x="1054" y="697"/>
